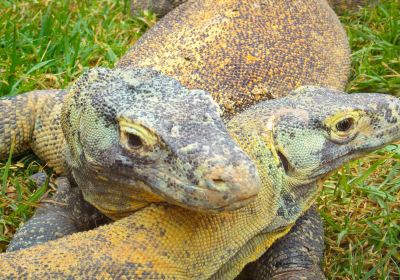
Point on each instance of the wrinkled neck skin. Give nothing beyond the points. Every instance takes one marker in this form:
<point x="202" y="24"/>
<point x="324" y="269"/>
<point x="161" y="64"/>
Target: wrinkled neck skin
<point x="112" y="197"/>
<point x="295" y="143"/>
<point x="125" y="151"/>
<point x="255" y="135"/>
<point x="282" y="200"/>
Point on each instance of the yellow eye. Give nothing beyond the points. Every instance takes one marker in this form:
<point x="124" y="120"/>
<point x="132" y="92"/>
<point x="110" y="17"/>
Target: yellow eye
<point x="345" y="124"/>
<point x="135" y="136"/>
<point x="342" y="125"/>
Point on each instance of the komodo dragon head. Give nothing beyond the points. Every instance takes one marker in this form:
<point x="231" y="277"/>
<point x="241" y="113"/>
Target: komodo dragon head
<point x="331" y="128"/>
<point x="303" y="137"/>
<point x="136" y="136"/>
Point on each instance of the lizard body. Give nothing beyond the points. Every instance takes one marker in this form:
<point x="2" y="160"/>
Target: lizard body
<point x="32" y="121"/>
<point x="243" y="52"/>
<point x="215" y="179"/>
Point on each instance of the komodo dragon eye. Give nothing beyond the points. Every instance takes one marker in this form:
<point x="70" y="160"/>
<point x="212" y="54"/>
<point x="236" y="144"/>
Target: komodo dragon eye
<point x="345" y="124"/>
<point x="134" y="141"/>
<point x="342" y="125"/>
<point x="136" y="136"/>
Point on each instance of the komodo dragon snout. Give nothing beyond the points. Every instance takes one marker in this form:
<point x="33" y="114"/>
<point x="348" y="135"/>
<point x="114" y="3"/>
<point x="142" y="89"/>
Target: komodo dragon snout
<point x="136" y="136"/>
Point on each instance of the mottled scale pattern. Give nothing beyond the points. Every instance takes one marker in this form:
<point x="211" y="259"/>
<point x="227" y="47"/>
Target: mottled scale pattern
<point x="246" y="51"/>
<point x="190" y="144"/>
<point x="240" y="51"/>
<point x="16" y="124"/>
<point x="33" y="120"/>
<point x="300" y="43"/>
<point x="297" y="254"/>
<point x="168" y="242"/>
<point x="163" y="241"/>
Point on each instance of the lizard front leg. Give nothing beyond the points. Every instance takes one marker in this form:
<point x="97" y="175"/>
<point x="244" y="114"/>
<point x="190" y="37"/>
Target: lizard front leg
<point x="31" y="121"/>
<point x="297" y="255"/>
<point x="66" y="214"/>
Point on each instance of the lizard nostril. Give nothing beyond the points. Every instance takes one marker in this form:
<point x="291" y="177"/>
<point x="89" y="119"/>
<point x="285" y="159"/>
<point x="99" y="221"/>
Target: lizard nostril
<point x="215" y="184"/>
<point x="218" y="181"/>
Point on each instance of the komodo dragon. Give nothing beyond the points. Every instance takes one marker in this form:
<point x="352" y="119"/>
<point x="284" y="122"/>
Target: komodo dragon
<point x="293" y="145"/>
<point x="314" y="66"/>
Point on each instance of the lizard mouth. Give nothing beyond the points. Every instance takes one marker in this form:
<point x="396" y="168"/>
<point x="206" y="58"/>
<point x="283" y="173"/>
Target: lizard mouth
<point x="205" y="196"/>
<point x="130" y="193"/>
<point x="392" y="134"/>
<point x="333" y="164"/>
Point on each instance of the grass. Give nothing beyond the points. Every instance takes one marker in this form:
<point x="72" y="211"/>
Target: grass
<point x="360" y="203"/>
<point x="47" y="44"/>
<point x="375" y="41"/>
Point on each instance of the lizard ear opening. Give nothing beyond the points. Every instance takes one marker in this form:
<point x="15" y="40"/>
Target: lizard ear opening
<point x="284" y="161"/>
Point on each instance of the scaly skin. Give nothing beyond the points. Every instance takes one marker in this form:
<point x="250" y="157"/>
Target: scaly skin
<point x="183" y="169"/>
<point x="32" y="120"/>
<point x="297" y="254"/>
<point x="293" y="145"/>
<point x="123" y="148"/>
<point x="305" y="45"/>
<point x="178" y="61"/>
<point x="298" y="251"/>
<point x="313" y="21"/>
